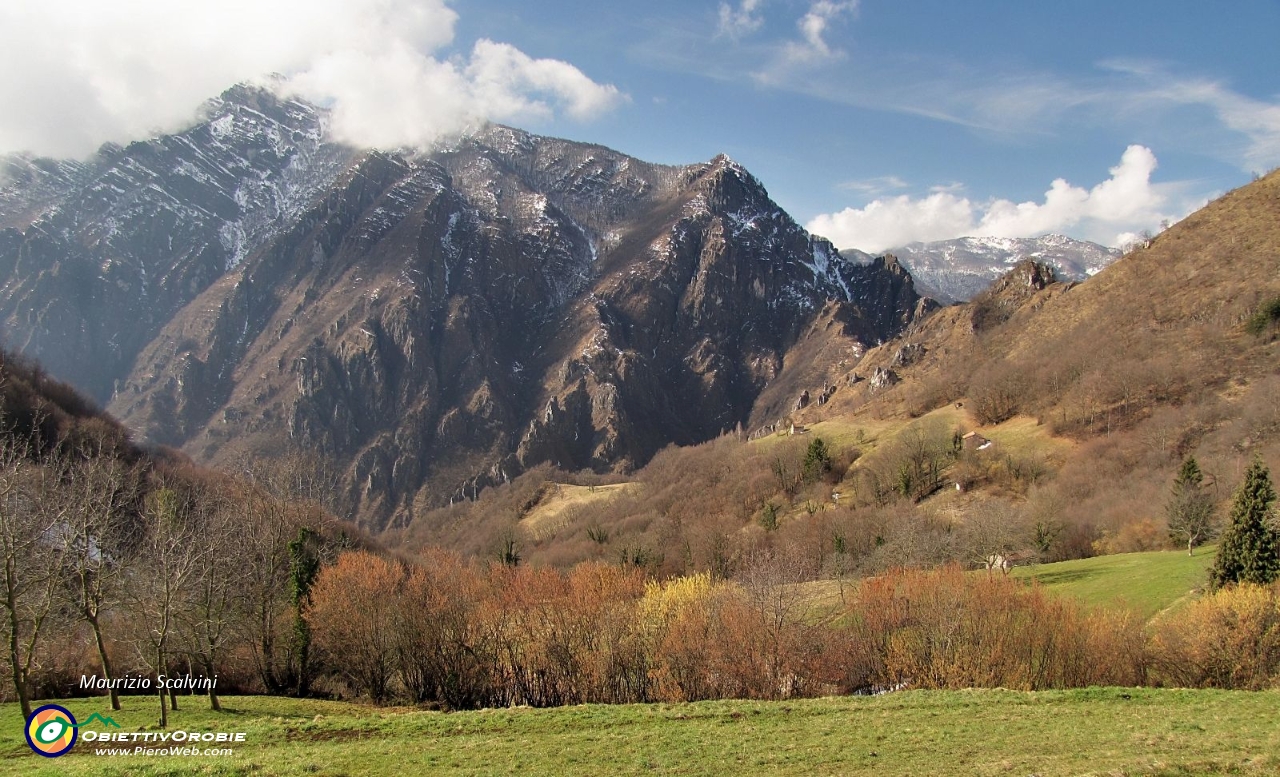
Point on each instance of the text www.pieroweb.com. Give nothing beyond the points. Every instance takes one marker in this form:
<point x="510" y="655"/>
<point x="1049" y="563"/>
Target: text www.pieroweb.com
<point x="190" y="752"/>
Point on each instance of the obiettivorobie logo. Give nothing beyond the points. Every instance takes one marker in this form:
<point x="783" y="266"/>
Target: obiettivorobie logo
<point x="52" y="730"/>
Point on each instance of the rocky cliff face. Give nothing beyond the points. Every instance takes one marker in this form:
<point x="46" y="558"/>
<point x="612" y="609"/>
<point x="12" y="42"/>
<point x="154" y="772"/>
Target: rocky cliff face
<point x="437" y="321"/>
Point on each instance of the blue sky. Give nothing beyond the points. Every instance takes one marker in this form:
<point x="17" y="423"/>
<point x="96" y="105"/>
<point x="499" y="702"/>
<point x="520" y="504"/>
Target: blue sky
<point x="875" y="122"/>
<point x="991" y="101"/>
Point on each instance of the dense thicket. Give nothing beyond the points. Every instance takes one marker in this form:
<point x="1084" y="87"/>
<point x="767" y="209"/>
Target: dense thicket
<point x="464" y="635"/>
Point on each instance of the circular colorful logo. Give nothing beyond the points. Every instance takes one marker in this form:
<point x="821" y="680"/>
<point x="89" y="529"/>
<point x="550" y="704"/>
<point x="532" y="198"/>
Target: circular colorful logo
<point x="51" y="730"/>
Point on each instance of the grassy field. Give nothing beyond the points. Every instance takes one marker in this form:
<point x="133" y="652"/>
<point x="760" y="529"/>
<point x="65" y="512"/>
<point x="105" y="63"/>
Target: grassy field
<point x="1148" y="583"/>
<point x="1087" y="732"/>
<point x="868" y="433"/>
<point x="1019" y="435"/>
<point x="556" y="509"/>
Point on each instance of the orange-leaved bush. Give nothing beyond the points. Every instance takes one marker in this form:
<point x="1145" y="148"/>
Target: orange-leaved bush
<point x="949" y="629"/>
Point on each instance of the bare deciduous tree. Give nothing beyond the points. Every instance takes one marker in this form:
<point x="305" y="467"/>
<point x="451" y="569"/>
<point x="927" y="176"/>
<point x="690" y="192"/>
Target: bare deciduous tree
<point x="102" y="492"/>
<point x="216" y="593"/>
<point x="170" y="557"/>
<point x="992" y="533"/>
<point x="281" y="499"/>
<point x="33" y="549"/>
<point x="1190" y="508"/>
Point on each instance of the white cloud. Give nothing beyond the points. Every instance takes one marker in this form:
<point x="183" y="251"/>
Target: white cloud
<point x="874" y="186"/>
<point x="1127" y="202"/>
<point x="813" y="46"/>
<point x="92" y="71"/>
<point x="740" y="21"/>
<point x="896" y="221"/>
<point x="1258" y="121"/>
<point x="510" y="83"/>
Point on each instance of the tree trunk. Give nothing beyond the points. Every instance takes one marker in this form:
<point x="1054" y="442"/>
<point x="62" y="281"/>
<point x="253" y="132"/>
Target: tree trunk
<point x="214" y="704"/>
<point x="106" y="662"/>
<point x="19" y="677"/>
<point x="19" y="682"/>
<point x="304" y="645"/>
<point x="164" y="709"/>
<point x="268" y="656"/>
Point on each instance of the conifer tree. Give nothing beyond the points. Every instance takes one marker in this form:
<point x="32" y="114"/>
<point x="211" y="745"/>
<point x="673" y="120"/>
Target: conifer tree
<point x="1190" y="507"/>
<point x="1250" y="548"/>
<point x="817" y="460"/>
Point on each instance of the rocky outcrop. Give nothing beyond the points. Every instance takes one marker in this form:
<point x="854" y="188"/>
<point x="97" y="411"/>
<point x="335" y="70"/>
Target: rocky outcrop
<point x="998" y="303"/>
<point x="908" y="354"/>
<point x="882" y="379"/>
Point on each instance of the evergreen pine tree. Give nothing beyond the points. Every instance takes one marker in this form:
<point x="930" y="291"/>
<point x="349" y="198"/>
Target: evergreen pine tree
<point x="1190" y="508"/>
<point x="1250" y="548"/>
<point x="304" y="565"/>
<point x="817" y="460"/>
<point x="1189" y="475"/>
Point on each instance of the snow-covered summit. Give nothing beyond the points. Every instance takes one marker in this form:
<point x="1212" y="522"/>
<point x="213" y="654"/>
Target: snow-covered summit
<point x="958" y="269"/>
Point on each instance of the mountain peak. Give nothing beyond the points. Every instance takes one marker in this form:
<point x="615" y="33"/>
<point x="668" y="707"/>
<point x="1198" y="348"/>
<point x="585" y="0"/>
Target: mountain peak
<point x="723" y="163"/>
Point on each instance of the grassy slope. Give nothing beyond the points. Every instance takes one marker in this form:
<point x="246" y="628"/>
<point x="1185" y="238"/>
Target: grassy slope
<point x="1108" y="731"/>
<point x="1146" y="582"/>
<point x="555" y="509"/>
<point x="1019" y="436"/>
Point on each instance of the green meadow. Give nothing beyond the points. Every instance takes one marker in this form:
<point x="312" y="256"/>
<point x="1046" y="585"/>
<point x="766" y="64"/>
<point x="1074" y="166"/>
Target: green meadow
<point x="1085" y="732"/>
<point x="1114" y="732"/>
<point x="1148" y="583"/>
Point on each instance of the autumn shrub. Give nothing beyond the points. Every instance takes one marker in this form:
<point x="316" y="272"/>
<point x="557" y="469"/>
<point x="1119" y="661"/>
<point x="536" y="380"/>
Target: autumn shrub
<point x="442" y="631"/>
<point x="354" y="614"/>
<point x="946" y="629"/>
<point x="445" y="653"/>
<point x="1228" y="639"/>
<point x="567" y="638"/>
<point x="1136" y="536"/>
<point x="678" y="621"/>
<point x="601" y="607"/>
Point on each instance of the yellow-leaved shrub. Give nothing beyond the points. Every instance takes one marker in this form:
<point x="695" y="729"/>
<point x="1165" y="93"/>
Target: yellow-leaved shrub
<point x="1228" y="639"/>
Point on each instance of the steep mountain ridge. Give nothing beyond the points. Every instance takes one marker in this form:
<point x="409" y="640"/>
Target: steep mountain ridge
<point x="439" y="320"/>
<point x="97" y="256"/>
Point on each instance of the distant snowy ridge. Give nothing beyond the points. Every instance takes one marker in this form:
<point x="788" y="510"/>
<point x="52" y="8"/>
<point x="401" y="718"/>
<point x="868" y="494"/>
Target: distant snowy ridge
<point x="956" y="270"/>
